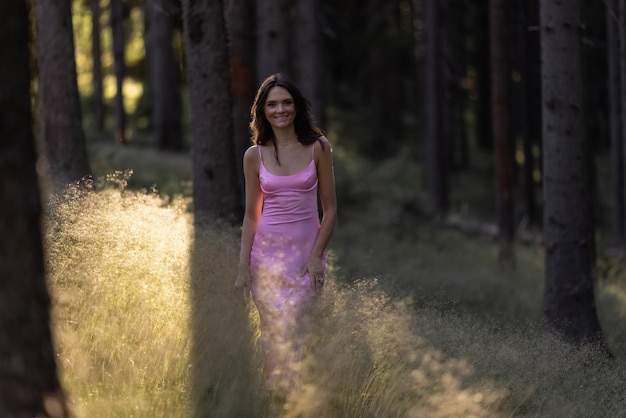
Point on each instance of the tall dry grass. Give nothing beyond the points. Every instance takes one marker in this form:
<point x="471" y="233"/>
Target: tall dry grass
<point x="147" y="325"/>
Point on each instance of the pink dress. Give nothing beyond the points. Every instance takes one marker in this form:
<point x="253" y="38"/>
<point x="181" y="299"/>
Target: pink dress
<point x="282" y="245"/>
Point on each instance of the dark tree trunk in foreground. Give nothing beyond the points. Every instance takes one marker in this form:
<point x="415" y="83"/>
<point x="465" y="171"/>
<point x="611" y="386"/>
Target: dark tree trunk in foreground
<point x="272" y="38"/>
<point x="61" y="114"/>
<point x="215" y="184"/>
<point x="569" y="308"/>
<point x="434" y="159"/>
<point x="29" y="385"/>
<point x="240" y="20"/>
<point x="501" y="133"/>
<point x="615" y="122"/>
<point x="621" y="99"/>
<point x="164" y="75"/>
<point x="97" y="65"/>
<point x="309" y="41"/>
<point x="117" y="31"/>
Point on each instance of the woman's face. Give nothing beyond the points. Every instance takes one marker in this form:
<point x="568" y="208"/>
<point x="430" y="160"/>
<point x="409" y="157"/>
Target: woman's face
<point x="279" y="108"/>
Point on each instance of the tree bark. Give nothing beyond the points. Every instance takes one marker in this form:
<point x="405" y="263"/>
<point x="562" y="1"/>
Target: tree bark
<point x="164" y="76"/>
<point x="272" y="38"/>
<point x="483" y="114"/>
<point x="96" y="52"/>
<point x="569" y="308"/>
<point x="61" y="115"/>
<point x="621" y="107"/>
<point x="309" y="47"/>
<point x="501" y="133"/>
<point x="434" y="159"/>
<point x="215" y="184"/>
<point x="531" y="87"/>
<point x="117" y="30"/>
<point x="618" y="225"/>
<point x="29" y="385"/>
<point x="241" y="23"/>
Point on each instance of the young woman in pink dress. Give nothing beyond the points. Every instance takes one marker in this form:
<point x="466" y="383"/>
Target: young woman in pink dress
<point x="283" y="241"/>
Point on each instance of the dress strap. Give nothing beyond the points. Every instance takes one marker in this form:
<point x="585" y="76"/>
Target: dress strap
<point x="313" y="152"/>
<point x="258" y="147"/>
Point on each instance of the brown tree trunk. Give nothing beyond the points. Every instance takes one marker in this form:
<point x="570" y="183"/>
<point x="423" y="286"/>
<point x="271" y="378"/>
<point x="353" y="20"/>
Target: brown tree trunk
<point x="531" y="88"/>
<point x="29" y="385"/>
<point x="117" y="30"/>
<point x="61" y="114"/>
<point x="96" y="49"/>
<point x="434" y="159"/>
<point x="615" y="122"/>
<point x="569" y="307"/>
<point x="309" y="47"/>
<point x="501" y="133"/>
<point x="483" y="78"/>
<point x="621" y="16"/>
<point x="272" y="38"/>
<point x="164" y="76"/>
<point x="240" y="20"/>
<point x="215" y="184"/>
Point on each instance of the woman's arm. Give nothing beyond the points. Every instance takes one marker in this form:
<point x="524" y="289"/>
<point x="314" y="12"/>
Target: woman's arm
<point x="326" y="185"/>
<point x="253" y="206"/>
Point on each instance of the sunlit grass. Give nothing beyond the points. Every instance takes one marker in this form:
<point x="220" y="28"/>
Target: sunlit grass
<point x="118" y="268"/>
<point x="147" y="324"/>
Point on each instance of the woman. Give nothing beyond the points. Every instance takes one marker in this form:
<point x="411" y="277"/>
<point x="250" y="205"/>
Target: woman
<point x="283" y="242"/>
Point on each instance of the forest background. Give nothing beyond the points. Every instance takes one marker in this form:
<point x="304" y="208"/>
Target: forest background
<point x="441" y="287"/>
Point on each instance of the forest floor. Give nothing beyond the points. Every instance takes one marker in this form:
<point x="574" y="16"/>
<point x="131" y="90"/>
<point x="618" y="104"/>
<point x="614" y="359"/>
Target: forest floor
<point x="420" y="319"/>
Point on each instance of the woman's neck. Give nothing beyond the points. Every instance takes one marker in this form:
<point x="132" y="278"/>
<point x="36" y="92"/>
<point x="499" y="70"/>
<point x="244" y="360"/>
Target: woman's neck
<point x="285" y="137"/>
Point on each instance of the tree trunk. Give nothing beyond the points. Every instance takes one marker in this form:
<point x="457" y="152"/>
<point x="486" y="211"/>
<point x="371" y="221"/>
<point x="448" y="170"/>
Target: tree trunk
<point x="29" y="385"/>
<point x="569" y="307"/>
<point x="61" y="115"/>
<point x="621" y="16"/>
<point x="434" y="159"/>
<point x="215" y="185"/>
<point x="96" y="50"/>
<point x="164" y="76"/>
<point x="483" y="74"/>
<point x="309" y="47"/>
<point x="501" y="134"/>
<point x="117" y="30"/>
<point x="618" y="225"/>
<point x="240" y="20"/>
<point x="531" y="87"/>
<point x="272" y="38"/>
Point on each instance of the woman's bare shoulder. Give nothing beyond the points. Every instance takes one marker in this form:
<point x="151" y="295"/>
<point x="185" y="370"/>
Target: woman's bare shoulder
<point x="323" y="144"/>
<point x="251" y="156"/>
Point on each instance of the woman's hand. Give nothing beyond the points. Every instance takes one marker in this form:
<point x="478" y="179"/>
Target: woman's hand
<point x="242" y="283"/>
<point x="315" y="269"/>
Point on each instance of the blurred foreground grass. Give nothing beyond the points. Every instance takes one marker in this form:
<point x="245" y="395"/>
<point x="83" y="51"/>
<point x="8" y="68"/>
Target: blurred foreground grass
<point x="417" y="321"/>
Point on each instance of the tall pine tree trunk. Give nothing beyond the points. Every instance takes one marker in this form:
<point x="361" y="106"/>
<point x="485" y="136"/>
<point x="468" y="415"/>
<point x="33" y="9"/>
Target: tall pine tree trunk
<point x="272" y="38"/>
<point x="61" y="115"/>
<point x="29" y="385"/>
<point x="119" y="65"/>
<point x="96" y="52"/>
<point x="241" y="23"/>
<point x="309" y="47"/>
<point x="531" y="86"/>
<point x="618" y="225"/>
<point x="434" y="157"/>
<point x="569" y="308"/>
<point x="164" y="75"/>
<point x="215" y="184"/>
<point x="501" y="133"/>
